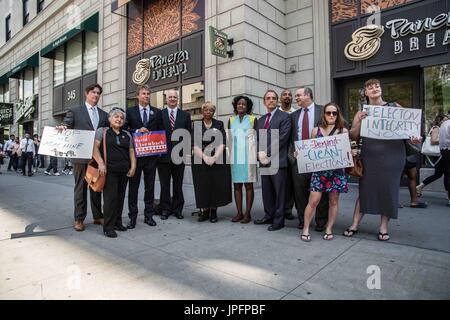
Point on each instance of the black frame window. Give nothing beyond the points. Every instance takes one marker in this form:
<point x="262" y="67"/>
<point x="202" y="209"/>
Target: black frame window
<point x="40" y="5"/>
<point x="26" y="12"/>
<point x="8" y="27"/>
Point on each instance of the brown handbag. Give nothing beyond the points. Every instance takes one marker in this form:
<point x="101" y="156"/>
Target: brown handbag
<point x="93" y="178"/>
<point x="357" y="169"/>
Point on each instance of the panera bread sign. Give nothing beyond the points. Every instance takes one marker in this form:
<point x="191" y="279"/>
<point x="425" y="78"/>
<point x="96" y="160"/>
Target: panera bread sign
<point x="366" y="41"/>
<point x="160" y="67"/>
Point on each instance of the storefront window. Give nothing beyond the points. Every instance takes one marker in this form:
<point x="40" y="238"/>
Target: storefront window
<point x="5" y="91"/>
<point x="28" y="83"/>
<point x="90" y="52"/>
<point x="74" y="58"/>
<point x="437" y="92"/>
<point x="20" y="89"/>
<point x="193" y="96"/>
<point x="36" y="81"/>
<point x="400" y="92"/>
<point x="158" y="99"/>
<point x="58" y="67"/>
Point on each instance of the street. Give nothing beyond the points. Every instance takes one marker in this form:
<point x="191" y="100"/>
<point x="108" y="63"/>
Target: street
<point x="43" y="257"/>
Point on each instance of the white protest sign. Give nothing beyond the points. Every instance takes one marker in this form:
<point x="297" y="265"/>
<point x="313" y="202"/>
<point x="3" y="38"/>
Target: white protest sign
<point x="68" y="143"/>
<point x="326" y="153"/>
<point x="391" y="123"/>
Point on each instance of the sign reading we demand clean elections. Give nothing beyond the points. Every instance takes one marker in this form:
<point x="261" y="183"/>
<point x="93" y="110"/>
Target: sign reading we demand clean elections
<point x="391" y="123"/>
<point x="326" y="153"/>
<point x="68" y="143"/>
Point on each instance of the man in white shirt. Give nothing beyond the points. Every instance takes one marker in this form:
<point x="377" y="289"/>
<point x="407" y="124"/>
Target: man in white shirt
<point x="28" y="152"/>
<point x="7" y="148"/>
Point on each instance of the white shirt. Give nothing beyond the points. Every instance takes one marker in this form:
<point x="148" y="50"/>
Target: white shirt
<point x="311" y="120"/>
<point x="89" y="107"/>
<point x="444" y="135"/>
<point x="8" y="145"/>
<point x="292" y="109"/>
<point x="174" y="112"/>
<point x="27" y="147"/>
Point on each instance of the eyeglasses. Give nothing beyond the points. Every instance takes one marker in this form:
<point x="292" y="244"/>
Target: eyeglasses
<point x="331" y="113"/>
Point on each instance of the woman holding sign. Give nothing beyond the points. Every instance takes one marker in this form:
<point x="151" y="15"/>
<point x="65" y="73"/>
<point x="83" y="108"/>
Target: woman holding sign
<point x="120" y="165"/>
<point x="332" y="182"/>
<point x="383" y="163"/>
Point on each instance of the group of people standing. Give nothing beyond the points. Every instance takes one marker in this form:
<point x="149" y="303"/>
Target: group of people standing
<point x="225" y="158"/>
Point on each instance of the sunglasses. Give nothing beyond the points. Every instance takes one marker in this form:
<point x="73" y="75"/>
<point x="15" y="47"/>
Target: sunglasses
<point x="331" y="113"/>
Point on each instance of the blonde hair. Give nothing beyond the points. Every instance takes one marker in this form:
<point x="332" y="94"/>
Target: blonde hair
<point x="208" y="104"/>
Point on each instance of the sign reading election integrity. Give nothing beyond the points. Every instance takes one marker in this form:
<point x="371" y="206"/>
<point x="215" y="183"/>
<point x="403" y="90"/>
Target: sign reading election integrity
<point x="68" y="143"/>
<point x="391" y="123"/>
<point x="326" y="153"/>
<point x="150" y="143"/>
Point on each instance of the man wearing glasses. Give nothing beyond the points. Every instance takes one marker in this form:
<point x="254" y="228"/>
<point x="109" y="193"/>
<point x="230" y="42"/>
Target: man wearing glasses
<point x="85" y="117"/>
<point x="303" y="121"/>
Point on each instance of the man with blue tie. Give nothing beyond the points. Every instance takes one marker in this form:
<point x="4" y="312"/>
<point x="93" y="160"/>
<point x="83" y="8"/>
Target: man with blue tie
<point x="143" y="118"/>
<point x="273" y="184"/>
<point x="88" y="116"/>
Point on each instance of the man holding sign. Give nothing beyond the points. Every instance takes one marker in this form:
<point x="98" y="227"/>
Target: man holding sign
<point x="143" y="118"/>
<point x="85" y="117"/>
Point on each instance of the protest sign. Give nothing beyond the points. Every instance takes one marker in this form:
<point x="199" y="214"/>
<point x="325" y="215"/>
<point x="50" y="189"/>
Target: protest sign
<point x="326" y="153"/>
<point x="67" y="143"/>
<point x="150" y="143"/>
<point x="391" y="123"/>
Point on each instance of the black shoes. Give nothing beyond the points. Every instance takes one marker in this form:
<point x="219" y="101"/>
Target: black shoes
<point x="110" y="234"/>
<point x="150" y="221"/>
<point x="120" y="228"/>
<point x="213" y="216"/>
<point x="164" y="216"/>
<point x="203" y="216"/>
<point x="179" y="216"/>
<point x="132" y="223"/>
<point x="274" y="228"/>
<point x="263" y="221"/>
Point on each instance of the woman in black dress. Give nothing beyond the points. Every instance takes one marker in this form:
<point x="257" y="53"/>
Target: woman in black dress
<point x="210" y="172"/>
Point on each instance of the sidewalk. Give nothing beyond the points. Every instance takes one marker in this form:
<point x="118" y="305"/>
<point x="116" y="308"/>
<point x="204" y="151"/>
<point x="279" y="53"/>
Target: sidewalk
<point x="43" y="257"/>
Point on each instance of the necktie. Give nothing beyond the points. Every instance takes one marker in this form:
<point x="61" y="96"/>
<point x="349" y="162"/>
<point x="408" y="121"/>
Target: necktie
<point x="305" y="125"/>
<point x="266" y="124"/>
<point x="26" y="146"/>
<point x="94" y="118"/>
<point x="144" y="118"/>
<point x="172" y="119"/>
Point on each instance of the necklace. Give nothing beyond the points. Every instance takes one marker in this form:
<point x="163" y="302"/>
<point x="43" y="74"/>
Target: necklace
<point x="207" y="125"/>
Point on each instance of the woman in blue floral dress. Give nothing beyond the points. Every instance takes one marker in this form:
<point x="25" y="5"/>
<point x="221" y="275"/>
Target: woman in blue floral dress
<point x="332" y="182"/>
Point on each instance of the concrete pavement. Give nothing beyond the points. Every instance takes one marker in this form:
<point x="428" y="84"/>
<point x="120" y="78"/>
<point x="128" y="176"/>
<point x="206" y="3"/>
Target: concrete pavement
<point x="42" y="257"/>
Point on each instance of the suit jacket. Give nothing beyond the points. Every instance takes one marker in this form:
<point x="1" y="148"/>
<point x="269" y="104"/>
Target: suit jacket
<point x="295" y="116"/>
<point x="281" y="121"/>
<point x="182" y="121"/>
<point x="134" y="120"/>
<point x="78" y="118"/>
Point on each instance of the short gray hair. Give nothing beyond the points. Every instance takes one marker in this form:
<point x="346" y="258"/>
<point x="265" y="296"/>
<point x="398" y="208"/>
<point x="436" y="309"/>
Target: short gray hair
<point x="115" y="111"/>
<point x="308" y="91"/>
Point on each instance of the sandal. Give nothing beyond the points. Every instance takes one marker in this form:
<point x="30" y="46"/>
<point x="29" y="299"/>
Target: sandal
<point x="382" y="235"/>
<point x="328" y="236"/>
<point x="306" y="237"/>
<point x="349" y="232"/>
<point x="419" y="205"/>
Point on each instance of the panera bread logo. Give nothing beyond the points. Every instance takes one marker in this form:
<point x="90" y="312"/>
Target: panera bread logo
<point x="366" y="42"/>
<point x="161" y="67"/>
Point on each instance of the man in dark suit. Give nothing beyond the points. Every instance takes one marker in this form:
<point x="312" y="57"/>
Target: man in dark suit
<point x="273" y="183"/>
<point x="85" y="117"/>
<point x="143" y="118"/>
<point x="302" y="122"/>
<point x="173" y="118"/>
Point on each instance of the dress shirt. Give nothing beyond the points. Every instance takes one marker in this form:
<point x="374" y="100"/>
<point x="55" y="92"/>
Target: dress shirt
<point x="311" y="113"/>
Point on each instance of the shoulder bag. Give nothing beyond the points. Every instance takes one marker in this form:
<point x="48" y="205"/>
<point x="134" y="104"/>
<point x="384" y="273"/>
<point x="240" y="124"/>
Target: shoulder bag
<point x="93" y="178"/>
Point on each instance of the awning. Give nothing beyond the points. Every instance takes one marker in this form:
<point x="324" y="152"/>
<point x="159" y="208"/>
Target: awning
<point x="32" y="61"/>
<point x="90" y="24"/>
<point x="4" y="79"/>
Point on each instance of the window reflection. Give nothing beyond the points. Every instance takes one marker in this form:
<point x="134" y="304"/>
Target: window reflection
<point x="90" y="52"/>
<point x="28" y="83"/>
<point x="437" y="92"/>
<point x="74" y="58"/>
<point x="193" y="98"/>
<point x="58" y="67"/>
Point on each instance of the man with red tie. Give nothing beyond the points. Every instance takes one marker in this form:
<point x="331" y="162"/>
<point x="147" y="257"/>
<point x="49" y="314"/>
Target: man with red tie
<point x="274" y="183"/>
<point x="303" y="121"/>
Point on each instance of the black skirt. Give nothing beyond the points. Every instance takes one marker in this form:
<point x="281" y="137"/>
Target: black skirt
<point x="212" y="185"/>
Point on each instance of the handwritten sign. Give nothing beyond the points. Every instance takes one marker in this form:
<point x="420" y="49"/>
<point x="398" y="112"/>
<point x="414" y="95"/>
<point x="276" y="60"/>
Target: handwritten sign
<point x="68" y="143"/>
<point x="150" y="144"/>
<point x="326" y="153"/>
<point x="391" y="123"/>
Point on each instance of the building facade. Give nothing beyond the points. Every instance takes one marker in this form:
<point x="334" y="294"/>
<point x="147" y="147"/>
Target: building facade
<point x="50" y="50"/>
